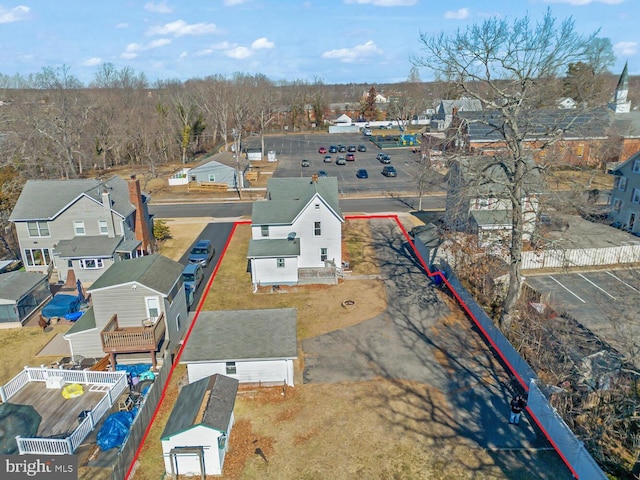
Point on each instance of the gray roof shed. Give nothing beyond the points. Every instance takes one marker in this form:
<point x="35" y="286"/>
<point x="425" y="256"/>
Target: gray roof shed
<point x="14" y="285"/>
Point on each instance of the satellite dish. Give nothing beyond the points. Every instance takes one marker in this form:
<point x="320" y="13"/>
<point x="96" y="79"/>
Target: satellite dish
<point x="291" y="236"/>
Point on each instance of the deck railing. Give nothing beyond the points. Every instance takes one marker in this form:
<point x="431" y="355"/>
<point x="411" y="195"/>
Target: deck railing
<point x="116" y="339"/>
<point x="117" y="381"/>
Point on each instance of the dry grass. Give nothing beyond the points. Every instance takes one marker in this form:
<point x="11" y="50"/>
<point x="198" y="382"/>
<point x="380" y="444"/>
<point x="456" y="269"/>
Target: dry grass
<point x="184" y="231"/>
<point x="19" y="347"/>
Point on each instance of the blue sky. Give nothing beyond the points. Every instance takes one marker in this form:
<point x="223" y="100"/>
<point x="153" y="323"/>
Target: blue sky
<point x="337" y="41"/>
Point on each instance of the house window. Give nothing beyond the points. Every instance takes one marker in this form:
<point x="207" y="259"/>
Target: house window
<point x="317" y="229"/>
<point x="153" y="307"/>
<point x="91" y="263"/>
<point x="317" y="206"/>
<point x="78" y="227"/>
<point x="212" y="177"/>
<point x="102" y="227"/>
<point x="264" y="230"/>
<point x="323" y="254"/>
<point x="580" y="150"/>
<point x="636" y="166"/>
<point x="178" y="322"/>
<point x="617" y="205"/>
<point x="621" y="183"/>
<point x="36" y="257"/>
<point x="280" y="262"/>
<point x="231" y="368"/>
<point x="38" y="229"/>
<point x="636" y="195"/>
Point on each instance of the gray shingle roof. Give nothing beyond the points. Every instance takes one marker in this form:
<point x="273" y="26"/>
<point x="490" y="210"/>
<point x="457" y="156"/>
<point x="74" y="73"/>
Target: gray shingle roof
<point x="272" y="247"/>
<point x="87" y="246"/>
<point x="288" y="196"/>
<point x="243" y="335"/>
<point x="86" y="322"/>
<point x="46" y="199"/>
<point x="14" y="285"/>
<point x="218" y="409"/>
<point x="153" y="271"/>
<point x="485" y="218"/>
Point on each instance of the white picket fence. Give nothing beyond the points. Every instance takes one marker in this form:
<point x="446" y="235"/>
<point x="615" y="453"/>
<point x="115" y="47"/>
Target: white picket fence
<point x="581" y="257"/>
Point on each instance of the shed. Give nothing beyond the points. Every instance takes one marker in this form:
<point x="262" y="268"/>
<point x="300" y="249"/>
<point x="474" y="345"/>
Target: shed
<point x="21" y="293"/>
<point x="195" y="439"/>
<point x="252" y="346"/>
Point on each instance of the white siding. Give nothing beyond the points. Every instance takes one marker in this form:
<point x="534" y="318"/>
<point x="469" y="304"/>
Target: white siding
<point x="198" y="436"/>
<point x="265" y="271"/>
<point x="87" y="344"/>
<point x="275" y="371"/>
<point x="330" y="238"/>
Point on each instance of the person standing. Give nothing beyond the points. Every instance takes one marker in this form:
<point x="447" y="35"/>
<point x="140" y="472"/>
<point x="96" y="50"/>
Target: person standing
<point x="517" y="405"/>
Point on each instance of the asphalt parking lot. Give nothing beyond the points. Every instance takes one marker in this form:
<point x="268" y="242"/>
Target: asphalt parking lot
<point x="292" y="148"/>
<point x="607" y="302"/>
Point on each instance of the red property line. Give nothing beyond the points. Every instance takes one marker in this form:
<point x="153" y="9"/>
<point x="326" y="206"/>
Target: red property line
<point x="431" y="274"/>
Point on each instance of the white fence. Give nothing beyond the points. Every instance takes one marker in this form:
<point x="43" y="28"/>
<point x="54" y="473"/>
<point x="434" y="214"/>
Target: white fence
<point x="117" y="381"/>
<point x="581" y="257"/>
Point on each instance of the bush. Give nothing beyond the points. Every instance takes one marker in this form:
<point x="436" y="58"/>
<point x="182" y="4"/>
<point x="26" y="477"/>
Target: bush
<point x="161" y="230"/>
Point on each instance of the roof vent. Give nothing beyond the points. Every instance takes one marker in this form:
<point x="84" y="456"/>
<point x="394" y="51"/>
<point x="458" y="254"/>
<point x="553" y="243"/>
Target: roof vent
<point x="291" y="236"/>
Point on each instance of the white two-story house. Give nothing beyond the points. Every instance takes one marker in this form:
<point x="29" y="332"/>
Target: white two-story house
<point x="81" y="225"/>
<point x="478" y="199"/>
<point x="625" y="195"/>
<point x="296" y="233"/>
<point x="137" y="305"/>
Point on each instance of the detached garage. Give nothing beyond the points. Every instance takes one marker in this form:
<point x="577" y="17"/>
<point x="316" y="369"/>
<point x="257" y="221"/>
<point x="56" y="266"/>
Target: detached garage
<point x="195" y="439"/>
<point x="21" y="293"/>
<point x="252" y="346"/>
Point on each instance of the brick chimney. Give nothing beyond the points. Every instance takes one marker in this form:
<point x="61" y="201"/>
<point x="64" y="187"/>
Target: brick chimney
<point x="142" y="230"/>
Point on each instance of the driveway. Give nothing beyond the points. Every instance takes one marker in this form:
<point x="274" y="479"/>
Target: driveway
<point x="420" y="339"/>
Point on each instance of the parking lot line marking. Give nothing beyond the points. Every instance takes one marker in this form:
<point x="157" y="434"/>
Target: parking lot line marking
<point x="599" y="288"/>
<point x="624" y="283"/>
<point x="567" y="289"/>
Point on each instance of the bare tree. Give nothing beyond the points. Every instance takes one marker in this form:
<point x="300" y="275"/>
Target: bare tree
<point x="503" y="64"/>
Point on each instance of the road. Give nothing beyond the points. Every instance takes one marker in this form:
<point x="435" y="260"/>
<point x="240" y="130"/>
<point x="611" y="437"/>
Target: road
<point x="232" y="210"/>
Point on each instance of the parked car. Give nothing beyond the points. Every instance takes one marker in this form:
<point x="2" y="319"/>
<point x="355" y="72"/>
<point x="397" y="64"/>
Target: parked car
<point x="202" y="253"/>
<point x="351" y="148"/>
<point x="351" y="157"/>
<point x="322" y="173"/>
<point x="342" y="148"/>
<point x="362" y="173"/>
<point x="327" y="159"/>
<point x="192" y="276"/>
<point x="367" y="132"/>
<point x="333" y="149"/>
<point x="305" y="163"/>
<point x="389" y="171"/>
<point x="322" y="150"/>
<point x="384" y="158"/>
<point x="341" y="160"/>
<point x="362" y="148"/>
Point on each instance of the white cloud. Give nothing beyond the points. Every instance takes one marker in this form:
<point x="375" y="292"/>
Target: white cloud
<point x="133" y="49"/>
<point x="625" y="48"/>
<point x="122" y="25"/>
<point x="351" y="55"/>
<point x="460" y="14"/>
<point x="384" y="3"/>
<point x="15" y="14"/>
<point x="161" y="42"/>
<point x="262" y="43"/>
<point x="90" y="62"/>
<point x="183" y="55"/>
<point x="239" y="53"/>
<point x="585" y="2"/>
<point x="231" y="3"/>
<point x="160" y="7"/>
<point x="180" y="28"/>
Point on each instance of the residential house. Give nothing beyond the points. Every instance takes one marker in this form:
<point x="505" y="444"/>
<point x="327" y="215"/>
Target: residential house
<point x="567" y="102"/>
<point x="625" y="195"/>
<point x="81" y="225"/>
<point x="195" y="439"/>
<point x="478" y="199"/>
<point x="21" y="294"/>
<point x="138" y="305"/>
<point x="220" y="168"/>
<point x="447" y="109"/>
<point x="343" y="119"/>
<point x="252" y="346"/>
<point x="296" y="232"/>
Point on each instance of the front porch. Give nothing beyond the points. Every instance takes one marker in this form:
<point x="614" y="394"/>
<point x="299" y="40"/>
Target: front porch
<point x="145" y="338"/>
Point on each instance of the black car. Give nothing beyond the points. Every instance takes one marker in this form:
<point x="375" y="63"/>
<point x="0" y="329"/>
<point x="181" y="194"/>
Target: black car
<point x="362" y="173"/>
<point x="342" y="148"/>
<point x="305" y="163"/>
<point x="351" y="148"/>
<point x="333" y="149"/>
<point x="362" y="148"/>
<point x="322" y="173"/>
<point x="389" y="171"/>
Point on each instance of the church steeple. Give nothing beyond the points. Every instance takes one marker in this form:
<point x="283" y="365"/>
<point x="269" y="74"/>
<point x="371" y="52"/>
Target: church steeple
<point x="620" y="103"/>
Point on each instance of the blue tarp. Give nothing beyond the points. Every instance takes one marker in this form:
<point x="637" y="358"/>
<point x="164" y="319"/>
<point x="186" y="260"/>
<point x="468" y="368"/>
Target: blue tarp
<point x="135" y="369"/>
<point x="60" y="305"/>
<point x="115" y="429"/>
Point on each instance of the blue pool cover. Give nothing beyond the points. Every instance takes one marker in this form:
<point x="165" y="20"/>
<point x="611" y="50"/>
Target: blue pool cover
<point x="61" y="305"/>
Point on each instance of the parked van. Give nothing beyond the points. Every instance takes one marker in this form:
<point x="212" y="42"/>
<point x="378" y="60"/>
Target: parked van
<point x="202" y="253"/>
<point x="192" y="276"/>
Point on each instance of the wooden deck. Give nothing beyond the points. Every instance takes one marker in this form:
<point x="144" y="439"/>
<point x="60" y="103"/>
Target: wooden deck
<point x="59" y="415"/>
